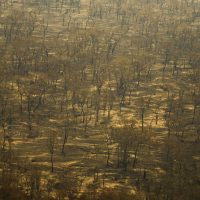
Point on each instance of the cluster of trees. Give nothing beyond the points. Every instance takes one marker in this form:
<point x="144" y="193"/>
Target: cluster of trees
<point x="25" y="183"/>
<point x="125" y="70"/>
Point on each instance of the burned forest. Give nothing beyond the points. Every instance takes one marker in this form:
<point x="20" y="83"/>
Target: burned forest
<point x="99" y="99"/>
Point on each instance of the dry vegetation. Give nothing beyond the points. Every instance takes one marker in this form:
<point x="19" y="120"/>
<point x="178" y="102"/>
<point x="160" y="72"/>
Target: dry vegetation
<point x="100" y="99"/>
